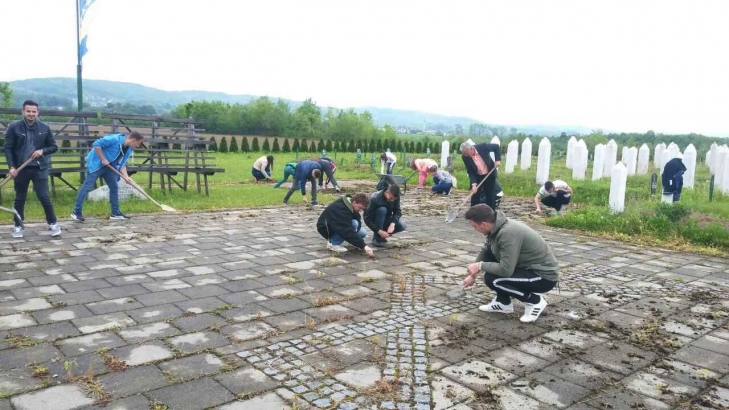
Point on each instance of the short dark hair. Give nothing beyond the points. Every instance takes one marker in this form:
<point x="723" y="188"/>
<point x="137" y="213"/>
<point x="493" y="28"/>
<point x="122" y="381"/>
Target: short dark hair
<point x="548" y="185"/>
<point x="136" y="136"/>
<point x="269" y="159"/>
<point x="394" y="190"/>
<point x="361" y="199"/>
<point x="30" y="102"/>
<point x="316" y="173"/>
<point x="481" y="213"/>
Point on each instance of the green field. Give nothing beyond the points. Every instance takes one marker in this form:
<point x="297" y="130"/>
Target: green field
<point x="694" y="221"/>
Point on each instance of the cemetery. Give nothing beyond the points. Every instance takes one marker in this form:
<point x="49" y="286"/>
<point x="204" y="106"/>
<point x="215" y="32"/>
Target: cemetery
<point x="244" y="308"/>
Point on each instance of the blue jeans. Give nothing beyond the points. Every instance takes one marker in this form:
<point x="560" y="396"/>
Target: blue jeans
<point x="390" y="166"/>
<point x="111" y="178"/>
<point x="338" y="240"/>
<point x="440" y="186"/>
<point x="258" y="175"/>
<point x="382" y="221"/>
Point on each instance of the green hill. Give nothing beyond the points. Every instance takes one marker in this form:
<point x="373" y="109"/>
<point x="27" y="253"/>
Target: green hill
<point x="122" y="97"/>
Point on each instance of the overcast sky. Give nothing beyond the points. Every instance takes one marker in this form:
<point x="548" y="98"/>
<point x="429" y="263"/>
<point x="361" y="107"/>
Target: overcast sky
<point x="616" y="65"/>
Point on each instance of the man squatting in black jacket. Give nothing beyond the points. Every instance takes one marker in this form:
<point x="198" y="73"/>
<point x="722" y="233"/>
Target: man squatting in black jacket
<point x="383" y="214"/>
<point x="341" y="222"/>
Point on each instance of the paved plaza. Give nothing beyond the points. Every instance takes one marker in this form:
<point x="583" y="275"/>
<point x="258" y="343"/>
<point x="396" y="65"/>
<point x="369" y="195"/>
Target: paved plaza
<point x="247" y="310"/>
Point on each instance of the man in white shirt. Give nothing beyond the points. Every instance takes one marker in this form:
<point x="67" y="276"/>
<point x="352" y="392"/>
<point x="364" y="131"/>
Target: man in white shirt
<point x="554" y="194"/>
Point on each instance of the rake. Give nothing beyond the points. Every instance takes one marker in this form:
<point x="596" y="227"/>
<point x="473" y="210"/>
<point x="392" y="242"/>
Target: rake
<point x="451" y="214"/>
<point x="5" y="181"/>
<point x="164" y="207"/>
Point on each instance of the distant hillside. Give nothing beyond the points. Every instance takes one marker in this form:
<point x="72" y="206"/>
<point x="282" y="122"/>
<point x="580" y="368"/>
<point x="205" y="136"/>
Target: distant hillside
<point x="61" y="93"/>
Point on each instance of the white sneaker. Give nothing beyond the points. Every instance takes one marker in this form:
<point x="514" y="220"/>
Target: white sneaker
<point x="532" y="311"/>
<point x="499" y="307"/>
<point x="55" y="229"/>
<point x="336" y="248"/>
<point x="18" y="232"/>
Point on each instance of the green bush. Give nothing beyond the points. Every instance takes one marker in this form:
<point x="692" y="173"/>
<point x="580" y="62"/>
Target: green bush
<point x="233" y="145"/>
<point x="674" y="212"/>
<point x="223" y="145"/>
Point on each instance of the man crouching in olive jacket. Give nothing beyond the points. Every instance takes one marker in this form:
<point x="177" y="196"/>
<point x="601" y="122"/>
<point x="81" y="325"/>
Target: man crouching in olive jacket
<point x="516" y="260"/>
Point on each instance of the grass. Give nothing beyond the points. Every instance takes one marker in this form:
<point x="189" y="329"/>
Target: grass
<point x="704" y="224"/>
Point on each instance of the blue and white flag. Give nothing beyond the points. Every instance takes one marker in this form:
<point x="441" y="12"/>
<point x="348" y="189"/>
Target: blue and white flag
<point x="85" y="13"/>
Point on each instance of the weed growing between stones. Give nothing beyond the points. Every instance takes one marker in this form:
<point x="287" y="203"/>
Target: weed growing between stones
<point x="20" y="340"/>
<point x="89" y="384"/>
<point x="155" y="405"/>
<point x="114" y="364"/>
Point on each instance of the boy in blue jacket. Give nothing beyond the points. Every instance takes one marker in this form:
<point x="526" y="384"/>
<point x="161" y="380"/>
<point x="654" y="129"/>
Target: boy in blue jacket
<point x="112" y="150"/>
<point x="305" y="171"/>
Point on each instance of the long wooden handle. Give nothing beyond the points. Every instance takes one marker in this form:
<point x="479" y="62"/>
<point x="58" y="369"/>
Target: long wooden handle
<point x="477" y="187"/>
<point x="23" y="165"/>
<point x="136" y="187"/>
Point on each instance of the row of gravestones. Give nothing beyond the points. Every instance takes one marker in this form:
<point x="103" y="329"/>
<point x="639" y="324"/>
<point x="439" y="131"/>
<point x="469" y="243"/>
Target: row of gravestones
<point x="605" y="164"/>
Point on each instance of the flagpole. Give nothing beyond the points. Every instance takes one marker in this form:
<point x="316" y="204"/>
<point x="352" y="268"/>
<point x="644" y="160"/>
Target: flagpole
<point x="79" y="82"/>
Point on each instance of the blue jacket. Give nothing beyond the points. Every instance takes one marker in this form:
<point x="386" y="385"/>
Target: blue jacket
<point x="303" y="173"/>
<point x="111" y="145"/>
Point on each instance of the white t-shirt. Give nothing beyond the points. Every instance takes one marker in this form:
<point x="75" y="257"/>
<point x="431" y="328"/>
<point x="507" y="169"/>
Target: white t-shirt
<point x="559" y="185"/>
<point x="391" y="157"/>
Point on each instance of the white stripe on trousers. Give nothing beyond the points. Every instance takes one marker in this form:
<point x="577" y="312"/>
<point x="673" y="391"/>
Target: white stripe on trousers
<point x="516" y="292"/>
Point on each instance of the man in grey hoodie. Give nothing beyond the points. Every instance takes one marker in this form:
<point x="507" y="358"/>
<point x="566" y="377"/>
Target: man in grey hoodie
<point x="516" y="262"/>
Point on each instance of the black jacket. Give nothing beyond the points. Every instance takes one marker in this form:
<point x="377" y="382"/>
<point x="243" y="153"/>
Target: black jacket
<point x="15" y="142"/>
<point x="337" y="218"/>
<point x="378" y="200"/>
<point x="483" y="150"/>
<point x="672" y="176"/>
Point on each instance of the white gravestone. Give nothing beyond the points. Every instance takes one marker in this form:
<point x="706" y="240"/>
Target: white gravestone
<point x="689" y="160"/>
<point x="631" y="160"/>
<point x="579" y="161"/>
<point x="445" y="149"/>
<point x="722" y="165"/>
<point x="712" y="157"/>
<point x="665" y="157"/>
<point x="611" y="157"/>
<point x="494" y="140"/>
<point x="526" y="154"/>
<point x="624" y="154"/>
<point x="571" y="152"/>
<point x="618" y="179"/>
<point x="658" y="155"/>
<point x="643" y="159"/>
<point x="598" y="162"/>
<point x="545" y="153"/>
<point x="512" y="156"/>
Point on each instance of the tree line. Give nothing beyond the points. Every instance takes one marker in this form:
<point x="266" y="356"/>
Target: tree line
<point x="304" y="145"/>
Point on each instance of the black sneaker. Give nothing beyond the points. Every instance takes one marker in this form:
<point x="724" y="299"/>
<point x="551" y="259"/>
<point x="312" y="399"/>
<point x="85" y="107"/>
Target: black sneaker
<point x="77" y="217"/>
<point x="119" y="217"/>
<point x="378" y="243"/>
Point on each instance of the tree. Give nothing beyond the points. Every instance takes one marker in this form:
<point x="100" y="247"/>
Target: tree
<point x="378" y="146"/>
<point x="223" y="145"/>
<point x="328" y="146"/>
<point x="411" y="146"/>
<point x="320" y="147"/>
<point x="275" y="148"/>
<point x="419" y="147"/>
<point x="233" y="144"/>
<point x="213" y="145"/>
<point x="306" y="120"/>
<point x="398" y="146"/>
<point x="266" y="146"/>
<point x="6" y="95"/>
<point x="286" y="146"/>
<point x="304" y="147"/>
<point x="244" y="147"/>
<point x="296" y="147"/>
<point x="312" y="148"/>
<point x="66" y="144"/>
<point x="254" y="145"/>
<point x="351" y="147"/>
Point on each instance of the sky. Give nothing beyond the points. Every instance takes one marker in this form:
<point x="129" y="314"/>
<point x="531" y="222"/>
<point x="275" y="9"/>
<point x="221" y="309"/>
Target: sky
<point x="614" y="65"/>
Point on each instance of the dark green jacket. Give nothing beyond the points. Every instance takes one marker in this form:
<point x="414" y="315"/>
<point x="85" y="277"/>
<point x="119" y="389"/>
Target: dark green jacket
<point x="515" y="244"/>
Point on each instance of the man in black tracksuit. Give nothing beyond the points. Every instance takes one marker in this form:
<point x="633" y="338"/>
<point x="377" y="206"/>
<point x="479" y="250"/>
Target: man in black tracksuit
<point x="341" y="222"/>
<point x="383" y="214"/>
<point x="26" y="139"/>
<point x="672" y="178"/>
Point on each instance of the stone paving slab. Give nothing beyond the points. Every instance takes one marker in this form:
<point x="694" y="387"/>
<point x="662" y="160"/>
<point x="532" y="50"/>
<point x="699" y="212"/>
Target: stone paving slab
<point x="217" y="310"/>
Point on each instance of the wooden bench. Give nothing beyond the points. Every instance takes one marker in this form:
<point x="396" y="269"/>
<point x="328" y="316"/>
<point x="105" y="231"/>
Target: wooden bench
<point x="168" y="150"/>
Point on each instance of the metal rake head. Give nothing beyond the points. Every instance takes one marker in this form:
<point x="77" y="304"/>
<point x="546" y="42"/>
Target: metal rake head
<point x="451" y="212"/>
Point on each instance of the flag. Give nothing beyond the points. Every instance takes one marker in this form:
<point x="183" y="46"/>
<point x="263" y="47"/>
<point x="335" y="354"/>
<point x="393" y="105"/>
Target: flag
<point x="85" y="14"/>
